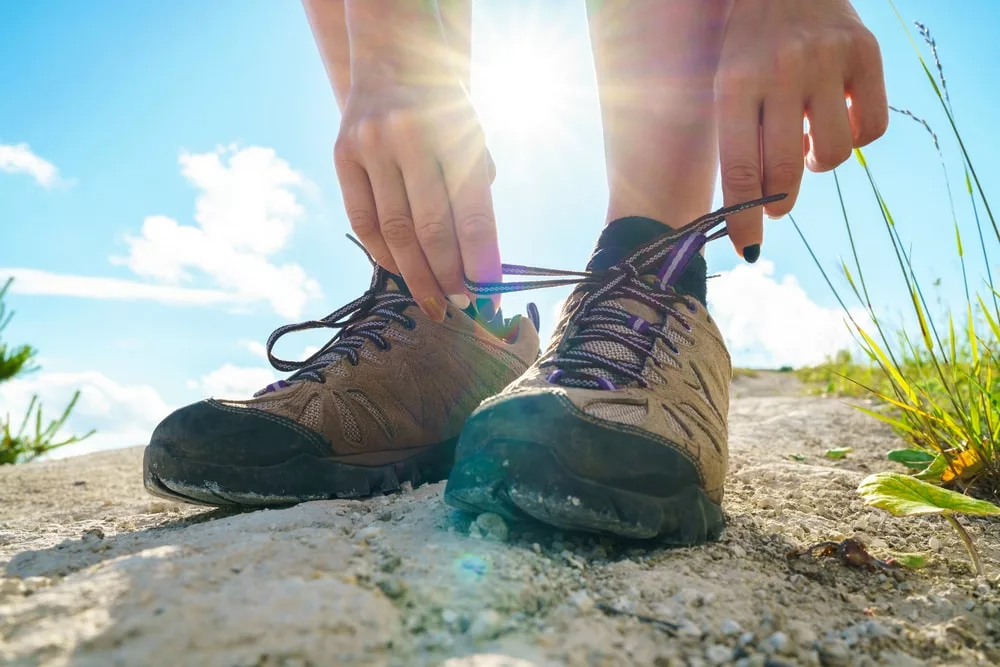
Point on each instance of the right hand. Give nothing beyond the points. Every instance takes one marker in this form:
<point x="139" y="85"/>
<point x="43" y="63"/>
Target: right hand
<point x="415" y="173"/>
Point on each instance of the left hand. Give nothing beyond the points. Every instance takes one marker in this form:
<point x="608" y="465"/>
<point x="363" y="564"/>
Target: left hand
<point x="783" y="60"/>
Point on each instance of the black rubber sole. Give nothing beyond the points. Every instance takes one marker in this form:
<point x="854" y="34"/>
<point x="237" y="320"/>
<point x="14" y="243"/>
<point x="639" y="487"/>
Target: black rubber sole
<point x="523" y="479"/>
<point x="300" y="479"/>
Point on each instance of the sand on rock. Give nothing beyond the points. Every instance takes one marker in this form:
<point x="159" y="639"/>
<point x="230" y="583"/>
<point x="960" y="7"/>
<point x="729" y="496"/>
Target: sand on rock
<point x="95" y="572"/>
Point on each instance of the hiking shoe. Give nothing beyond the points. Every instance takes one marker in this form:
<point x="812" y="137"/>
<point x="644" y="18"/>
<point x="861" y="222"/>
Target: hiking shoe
<point x="381" y="404"/>
<point x="620" y="427"/>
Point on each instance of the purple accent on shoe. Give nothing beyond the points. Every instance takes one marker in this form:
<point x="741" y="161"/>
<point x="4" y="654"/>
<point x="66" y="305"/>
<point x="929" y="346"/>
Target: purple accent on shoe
<point x="554" y="376"/>
<point x="678" y="258"/>
<point x="605" y="384"/>
<point x="275" y="386"/>
<point x="638" y="324"/>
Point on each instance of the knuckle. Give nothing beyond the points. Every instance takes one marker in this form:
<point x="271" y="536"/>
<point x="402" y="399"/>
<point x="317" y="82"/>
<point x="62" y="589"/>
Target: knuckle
<point x="363" y="221"/>
<point x="476" y="229"/>
<point x="783" y="173"/>
<point x="400" y="123"/>
<point x="368" y="134"/>
<point x="741" y="175"/>
<point x="788" y="61"/>
<point x="397" y="230"/>
<point x="830" y="156"/>
<point x="865" y="44"/>
<point x="736" y="79"/>
<point x="434" y="231"/>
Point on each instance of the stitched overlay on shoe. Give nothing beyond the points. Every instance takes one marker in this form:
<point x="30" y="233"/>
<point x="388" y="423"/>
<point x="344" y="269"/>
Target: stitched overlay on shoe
<point x="626" y="309"/>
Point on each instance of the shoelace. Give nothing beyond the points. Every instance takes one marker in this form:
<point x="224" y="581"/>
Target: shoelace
<point x="597" y="320"/>
<point x="362" y="320"/>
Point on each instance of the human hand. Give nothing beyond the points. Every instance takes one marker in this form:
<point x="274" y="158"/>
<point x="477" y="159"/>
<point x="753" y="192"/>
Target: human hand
<point x="782" y="60"/>
<point x="411" y="158"/>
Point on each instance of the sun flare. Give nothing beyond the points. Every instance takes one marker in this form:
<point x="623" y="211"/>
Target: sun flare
<point x="526" y="91"/>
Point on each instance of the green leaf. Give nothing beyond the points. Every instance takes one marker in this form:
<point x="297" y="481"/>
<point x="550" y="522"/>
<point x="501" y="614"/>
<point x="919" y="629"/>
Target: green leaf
<point x="797" y="457"/>
<point x="903" y="495"/>
<point x="837" y="452"/>
<point x="911" y="561"/>
<point x="934" y="470"/>
<point x="911" y="458"/>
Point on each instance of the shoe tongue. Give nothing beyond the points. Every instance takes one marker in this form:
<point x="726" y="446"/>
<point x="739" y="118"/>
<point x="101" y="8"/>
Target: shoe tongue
<point x="617" y="241"/>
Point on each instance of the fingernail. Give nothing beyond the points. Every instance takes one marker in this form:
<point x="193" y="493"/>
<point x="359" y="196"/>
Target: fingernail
<point x="433" y="309"/>
<point x="460" y="301"/>
<point x="486" y="309"/>
<point x="751" y="253"/>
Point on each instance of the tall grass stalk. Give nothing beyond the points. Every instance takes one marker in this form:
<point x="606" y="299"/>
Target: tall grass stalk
<point x="944" y="386"/>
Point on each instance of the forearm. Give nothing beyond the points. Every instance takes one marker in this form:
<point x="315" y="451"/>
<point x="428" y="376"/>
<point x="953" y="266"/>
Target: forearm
<point x="411" y="41"/>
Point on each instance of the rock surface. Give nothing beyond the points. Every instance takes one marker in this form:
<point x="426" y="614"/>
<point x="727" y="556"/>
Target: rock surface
<point x="95" y="572"/>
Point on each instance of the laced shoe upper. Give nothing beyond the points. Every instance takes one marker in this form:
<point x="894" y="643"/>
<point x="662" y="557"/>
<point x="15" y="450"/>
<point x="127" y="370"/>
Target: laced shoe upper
<point x="630" y="352"/>
<point x="391" y="378"/>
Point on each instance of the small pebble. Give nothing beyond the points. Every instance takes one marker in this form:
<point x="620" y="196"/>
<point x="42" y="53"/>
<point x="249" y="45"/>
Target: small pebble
<point x="776" y="643"/>
<point x="31" y="584"/>
<point x="717" y="654"/>
<point x="93" y="534"/>
<point x="746" y="638"/>
<point x="493" y="527"/>
<point x="730" y="628"/>
<point x="689" y="628"/>
<point x="934" y="543"/>
<point x="10" y="586"/>
<point x="834" y="653"/>
<point x="450" y="617"/>
<point x="583" y="602"/>
<point x="392" y="587"/>
<point x="486" y="625"/>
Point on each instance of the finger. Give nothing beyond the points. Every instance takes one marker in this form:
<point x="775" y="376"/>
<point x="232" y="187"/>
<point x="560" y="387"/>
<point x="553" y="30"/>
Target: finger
<point x="432" y="219"/>
<point x="869" y="109"/>
<point x="829" y="129"/>
<point x="359" y="202"/>
<point x="781" y="145"/>
<point x="466" y="176"/>
<point x="396" y="226"/>
<point x="739" y="159"/>
<point x="491" y="167"/>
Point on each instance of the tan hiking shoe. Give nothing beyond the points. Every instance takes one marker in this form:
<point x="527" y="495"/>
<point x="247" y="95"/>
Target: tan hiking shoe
<point x="620" y="427"/>
<point x="381" y="404"/>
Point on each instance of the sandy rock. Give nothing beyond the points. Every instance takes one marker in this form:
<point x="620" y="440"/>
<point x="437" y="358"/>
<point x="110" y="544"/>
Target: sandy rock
<point x="395" y="581"/>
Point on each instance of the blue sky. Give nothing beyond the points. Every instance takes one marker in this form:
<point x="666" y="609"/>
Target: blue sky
<point x="167" y="195"/>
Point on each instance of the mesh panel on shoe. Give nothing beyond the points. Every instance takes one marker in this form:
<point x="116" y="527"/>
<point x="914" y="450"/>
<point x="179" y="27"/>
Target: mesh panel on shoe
<point x="674" y="423"/>
<point x="350" y="422"/>
<point x="313" y="414"/>
<point x="373" y="409"/>
<point x="617" y="412"/>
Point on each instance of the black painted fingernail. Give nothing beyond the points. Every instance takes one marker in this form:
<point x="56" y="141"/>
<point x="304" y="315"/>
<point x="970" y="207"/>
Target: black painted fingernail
<point x="751" y="253"/>
<point x="486" y="309"/>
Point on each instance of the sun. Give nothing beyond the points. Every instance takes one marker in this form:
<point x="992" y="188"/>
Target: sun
<point x="526" y="90"/>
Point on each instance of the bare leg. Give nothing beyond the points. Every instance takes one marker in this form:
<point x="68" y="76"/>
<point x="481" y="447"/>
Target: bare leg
<point x="656" y="63"/>
<point x="329" y="26"/>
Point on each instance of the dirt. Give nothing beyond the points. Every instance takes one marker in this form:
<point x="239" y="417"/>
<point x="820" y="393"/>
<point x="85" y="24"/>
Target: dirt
<point x="95" y="572"/>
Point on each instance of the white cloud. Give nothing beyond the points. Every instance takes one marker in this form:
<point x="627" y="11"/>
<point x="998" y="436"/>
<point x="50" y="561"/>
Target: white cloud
<point x="253" y="347"/>
<point x="32" y="281"/>
<point x="770" y="323"/>
<point x="123" y="415"/>
<point x="244" y="213"/>
<point x="19" y="159"/>
<point x="231" y="381"/>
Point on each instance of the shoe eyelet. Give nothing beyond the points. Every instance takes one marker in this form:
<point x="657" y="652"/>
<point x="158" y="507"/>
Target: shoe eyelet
<point x="410" y="323"/>
<point x="692" y="306"/>
<point x="686" y="325"/>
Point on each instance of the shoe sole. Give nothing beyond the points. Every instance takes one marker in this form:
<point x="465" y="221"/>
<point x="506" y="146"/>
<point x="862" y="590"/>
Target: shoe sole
<point x="297" y="480"/>
<point x="527" y="480"/>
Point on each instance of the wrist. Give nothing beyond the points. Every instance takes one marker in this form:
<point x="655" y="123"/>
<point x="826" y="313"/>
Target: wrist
<point x="397" y="42"/>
